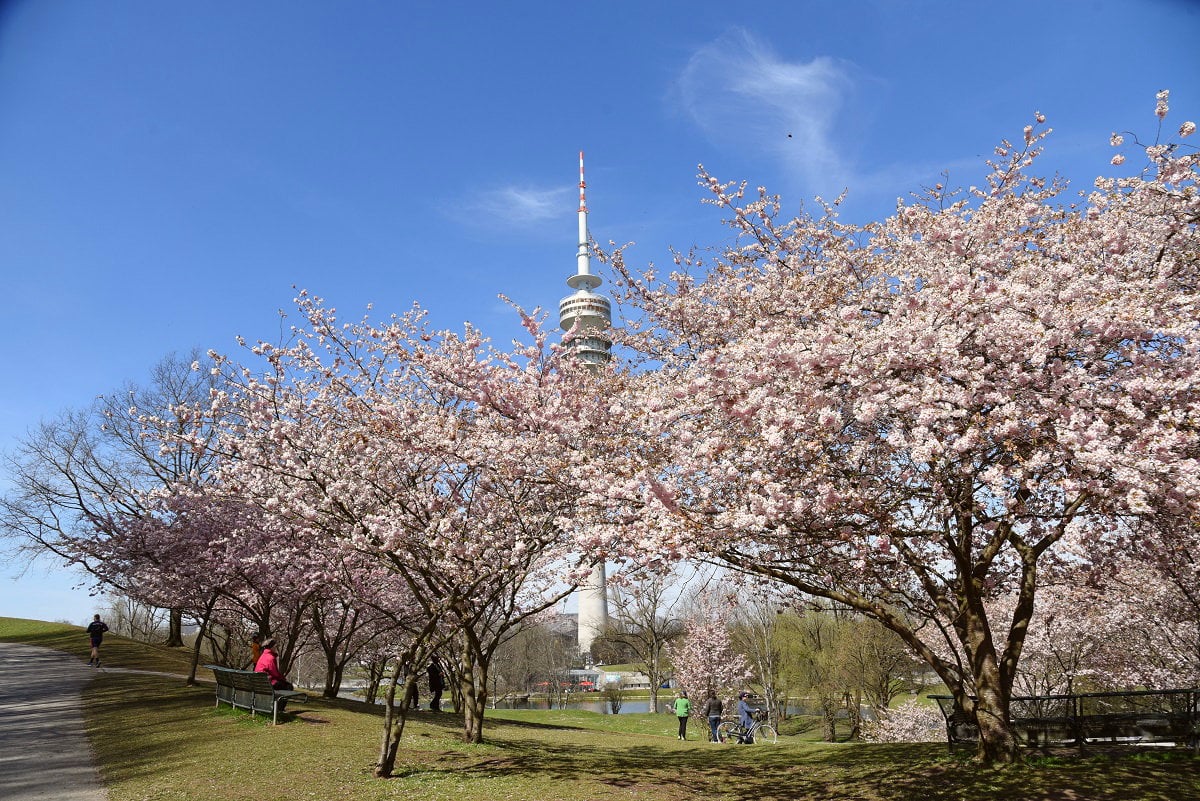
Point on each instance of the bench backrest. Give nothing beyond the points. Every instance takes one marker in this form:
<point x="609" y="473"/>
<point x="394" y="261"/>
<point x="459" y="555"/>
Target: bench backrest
<point x="241" y="679"/>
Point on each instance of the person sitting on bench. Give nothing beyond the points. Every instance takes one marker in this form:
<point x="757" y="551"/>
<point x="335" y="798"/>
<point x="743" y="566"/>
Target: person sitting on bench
<point x="268" y="663"/>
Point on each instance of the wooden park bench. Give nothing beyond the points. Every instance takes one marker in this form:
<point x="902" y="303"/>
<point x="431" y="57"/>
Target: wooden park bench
<point x="1133" y="718"/>
<point x="245" y="689"/>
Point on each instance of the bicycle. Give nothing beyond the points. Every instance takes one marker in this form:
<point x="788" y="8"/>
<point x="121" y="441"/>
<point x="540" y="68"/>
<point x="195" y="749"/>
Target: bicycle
<point x="761" y="732"/>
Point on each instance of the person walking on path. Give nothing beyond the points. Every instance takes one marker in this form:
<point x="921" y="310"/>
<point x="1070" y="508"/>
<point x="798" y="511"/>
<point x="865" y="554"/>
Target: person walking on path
<point x="95" y="632"/>
<point x="712" y="710"/>
<point x="683" y="708"/>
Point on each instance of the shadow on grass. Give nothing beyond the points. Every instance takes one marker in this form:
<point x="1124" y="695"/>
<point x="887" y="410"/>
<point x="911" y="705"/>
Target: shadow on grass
<point x="906" y="772"/>
<point x="148" y="723"/>
<point x="127" y="715"/>
<point x="447" y="719"/>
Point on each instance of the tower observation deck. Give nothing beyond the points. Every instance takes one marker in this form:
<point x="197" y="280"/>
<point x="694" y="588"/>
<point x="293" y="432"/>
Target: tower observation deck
<point x="586" y="313"/>
<point x="585" y="317"/>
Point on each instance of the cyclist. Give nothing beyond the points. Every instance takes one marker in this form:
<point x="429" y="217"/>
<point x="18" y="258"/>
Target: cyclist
<point x="746" y="716"/>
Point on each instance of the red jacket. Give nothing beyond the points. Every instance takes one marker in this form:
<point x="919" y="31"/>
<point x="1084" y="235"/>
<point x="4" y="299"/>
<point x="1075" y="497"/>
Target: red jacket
<point x="269" y="665"/>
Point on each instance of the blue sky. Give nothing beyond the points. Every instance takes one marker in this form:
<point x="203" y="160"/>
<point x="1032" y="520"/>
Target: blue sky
<point x="169" y="171"/>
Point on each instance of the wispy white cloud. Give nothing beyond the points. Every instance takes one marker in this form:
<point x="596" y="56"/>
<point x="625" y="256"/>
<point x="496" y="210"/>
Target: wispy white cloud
<point x="521" y="205"/>
<point x="742" y="94"/>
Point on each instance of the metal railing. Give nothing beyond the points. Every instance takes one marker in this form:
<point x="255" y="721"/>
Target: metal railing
<point x="1137" y="716"/>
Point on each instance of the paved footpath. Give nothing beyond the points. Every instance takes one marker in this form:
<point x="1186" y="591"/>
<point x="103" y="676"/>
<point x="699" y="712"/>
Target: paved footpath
<point x="44" y="754"/>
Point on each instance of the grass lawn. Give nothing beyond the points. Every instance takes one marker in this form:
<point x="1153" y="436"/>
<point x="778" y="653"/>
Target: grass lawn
<point x="155" y="738"/>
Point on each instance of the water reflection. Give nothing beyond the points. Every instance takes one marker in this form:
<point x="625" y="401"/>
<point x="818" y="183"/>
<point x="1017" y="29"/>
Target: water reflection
<point x="598" y="706"/>
<point x="631" y="706"/>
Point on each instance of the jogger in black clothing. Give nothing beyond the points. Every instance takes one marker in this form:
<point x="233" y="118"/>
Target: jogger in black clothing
<point x="95" y="632"/>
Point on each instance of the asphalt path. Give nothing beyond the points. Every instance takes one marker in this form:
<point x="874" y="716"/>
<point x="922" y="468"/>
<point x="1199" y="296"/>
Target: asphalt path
<point x="44" y="753"/>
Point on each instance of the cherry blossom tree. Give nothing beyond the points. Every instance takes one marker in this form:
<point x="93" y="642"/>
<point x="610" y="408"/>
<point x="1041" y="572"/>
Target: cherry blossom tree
<point x="1158" y="588"/>
<point x="90" y="468"/>
<point x="431" y="454"/>
<point x="357" y="615"/>
<point x="704" y="658"/>
<point x="221" y="560"/>
<point x="1155" y="640"/>
<point x="1126" y="627"/>
<point x="907" y="417"/>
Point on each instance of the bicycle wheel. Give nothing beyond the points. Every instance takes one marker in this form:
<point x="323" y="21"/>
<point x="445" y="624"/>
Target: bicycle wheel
<point x="765" y="735"/>
<point x="728" y="732"/>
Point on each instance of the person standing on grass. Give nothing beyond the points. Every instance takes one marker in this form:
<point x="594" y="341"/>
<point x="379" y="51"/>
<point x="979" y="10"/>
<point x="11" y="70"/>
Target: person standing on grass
<point x="255" y="647"/>
<point x="746" y="717"/>
<point x="95" y="632"/>
<point x="436" y="685"/>
<point x="712" y="710"/>
<point x="683" y="708"/>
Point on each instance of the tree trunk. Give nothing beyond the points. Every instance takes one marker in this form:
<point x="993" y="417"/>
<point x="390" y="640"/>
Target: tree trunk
<point x="195" y="661"/>
<point x="775" y="708"/>
<point x="854" y="713"/>
<point x="175" y="629"/>
<point x="393" y="724"/>
<point x="473" y="685"/>
<point x="375" y="671"/>
<point x="997" y="738"/>
<point x="453" y="684"/>
<point x="333" y="678"/>
<point x="205" y="619"/>
<point x="829" y="708"/>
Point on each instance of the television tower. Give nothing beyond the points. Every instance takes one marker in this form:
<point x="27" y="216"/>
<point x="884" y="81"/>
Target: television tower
<point x="587" y="316"/>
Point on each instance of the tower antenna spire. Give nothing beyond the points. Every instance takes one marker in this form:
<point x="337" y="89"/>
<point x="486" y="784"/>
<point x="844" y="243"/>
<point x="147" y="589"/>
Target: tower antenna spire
<point x="583" y="257"/>
<point x="582" y="186"/>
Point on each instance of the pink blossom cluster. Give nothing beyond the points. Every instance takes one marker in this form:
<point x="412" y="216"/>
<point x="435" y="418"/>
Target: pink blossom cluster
<point x="913" y="721"/>
<point x="705" y="659"/>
